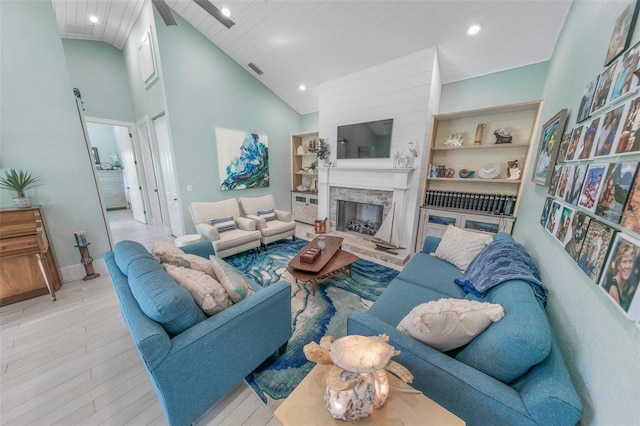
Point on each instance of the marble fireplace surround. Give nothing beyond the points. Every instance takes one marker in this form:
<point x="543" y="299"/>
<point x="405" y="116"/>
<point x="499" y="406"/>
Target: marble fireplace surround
<point x="379" y="186"/>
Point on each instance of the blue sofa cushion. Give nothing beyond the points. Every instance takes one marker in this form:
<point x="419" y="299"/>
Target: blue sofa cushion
<point x="161" y="298"/>
<point x="127" y="252"/>
<point x="510" y="347"/>
<point x="430" y="272"/>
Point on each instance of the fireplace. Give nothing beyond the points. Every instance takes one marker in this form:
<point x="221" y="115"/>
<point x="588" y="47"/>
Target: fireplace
<point x="362" y="218"/>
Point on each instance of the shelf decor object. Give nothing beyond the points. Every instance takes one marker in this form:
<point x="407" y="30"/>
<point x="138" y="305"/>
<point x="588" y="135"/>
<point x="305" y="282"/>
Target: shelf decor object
<point x="490" y="171"/>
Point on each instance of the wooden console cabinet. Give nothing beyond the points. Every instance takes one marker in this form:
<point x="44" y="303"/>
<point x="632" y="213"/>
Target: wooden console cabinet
<point x="27" y="262"/>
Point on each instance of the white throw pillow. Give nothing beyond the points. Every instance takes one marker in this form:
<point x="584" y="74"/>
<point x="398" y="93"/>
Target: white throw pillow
<point x="460" y="247"/>
<point x="206" y="291"/>
<point x="447" y="324"/>
<point x="165" y="252"/>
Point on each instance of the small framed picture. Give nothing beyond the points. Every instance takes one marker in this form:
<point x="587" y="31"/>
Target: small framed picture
<point x="622" y="31"/>
<point x="595" y="248"/>
<point x="620" y="276"/>
<point x="584" y="111"/>
<point x="592" y="186"/>
<point x="603" y="90"/>
<point x="574" y="141"/>
<point x="626" y="80"/>
<point x="550" y="142"/>
<point x="587" y="139"/>
<point x="615" y="190"/>
<point x="575" y="184"/>
<point x="96" y="156"/>
<point x="629" y="140"/>
<point x="579" y="227"/>
<point x="608" y="132"/>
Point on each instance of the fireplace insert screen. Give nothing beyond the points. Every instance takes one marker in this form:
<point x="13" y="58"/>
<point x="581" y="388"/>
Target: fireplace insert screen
<point x="357" y="217"/>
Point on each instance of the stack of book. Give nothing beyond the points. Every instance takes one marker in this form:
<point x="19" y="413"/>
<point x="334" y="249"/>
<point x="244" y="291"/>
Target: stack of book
<point x="502" y="204"/>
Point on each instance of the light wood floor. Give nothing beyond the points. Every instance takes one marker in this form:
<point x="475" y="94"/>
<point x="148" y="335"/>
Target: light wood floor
<point x="72" y="362"/>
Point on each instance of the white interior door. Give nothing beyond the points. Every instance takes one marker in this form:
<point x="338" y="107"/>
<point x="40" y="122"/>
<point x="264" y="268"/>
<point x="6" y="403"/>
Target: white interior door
<point x="132" y="177"/>
<point x="165" y="154"/>
<point x="151" y="173"/>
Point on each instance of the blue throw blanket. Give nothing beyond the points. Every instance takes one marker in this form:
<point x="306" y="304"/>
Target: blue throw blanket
<point x="500" y="261"/>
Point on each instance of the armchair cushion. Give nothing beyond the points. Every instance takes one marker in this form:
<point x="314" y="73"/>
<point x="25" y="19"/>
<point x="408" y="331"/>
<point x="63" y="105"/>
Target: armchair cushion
<point x="268" y="214"/>
<point x="224" y="224"/>
<point x="251" y="205"/>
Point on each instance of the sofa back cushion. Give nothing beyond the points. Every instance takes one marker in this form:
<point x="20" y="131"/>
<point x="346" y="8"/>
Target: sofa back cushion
<point x="203" y="212"/>
<point x="127" y="252"/>
<point x="161" y="298"/>
<point x="251" y="205"/>
<point x="510" y="347"/>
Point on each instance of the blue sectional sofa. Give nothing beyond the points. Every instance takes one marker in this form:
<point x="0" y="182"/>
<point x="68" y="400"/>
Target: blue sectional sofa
<point x="193" y="361"/>
<point x="510" y="374"/>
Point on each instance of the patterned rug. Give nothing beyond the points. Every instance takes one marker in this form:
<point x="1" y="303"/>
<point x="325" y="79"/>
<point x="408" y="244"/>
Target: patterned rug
<point x="312" y="317"/>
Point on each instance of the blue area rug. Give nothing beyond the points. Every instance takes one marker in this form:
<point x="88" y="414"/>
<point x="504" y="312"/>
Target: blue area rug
<point x="312" y="317"/>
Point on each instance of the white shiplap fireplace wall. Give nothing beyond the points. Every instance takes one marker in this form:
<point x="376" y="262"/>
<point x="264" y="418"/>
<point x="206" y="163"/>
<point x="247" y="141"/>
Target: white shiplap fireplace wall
<point x="406" y="89"/>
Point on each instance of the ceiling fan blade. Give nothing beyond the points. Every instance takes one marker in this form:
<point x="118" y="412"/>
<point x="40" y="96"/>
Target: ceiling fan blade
<point x="164" y="12"/>
<point x="215" y="12"/>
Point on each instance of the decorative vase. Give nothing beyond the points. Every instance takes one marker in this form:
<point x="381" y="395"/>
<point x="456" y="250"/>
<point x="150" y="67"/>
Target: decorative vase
<point x="21" y="202"/>
<point x="369" y="393"/>
<point x="322" y="243"/>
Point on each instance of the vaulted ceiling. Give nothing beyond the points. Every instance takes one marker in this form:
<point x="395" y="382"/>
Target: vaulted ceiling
<point x="311" y="42"/>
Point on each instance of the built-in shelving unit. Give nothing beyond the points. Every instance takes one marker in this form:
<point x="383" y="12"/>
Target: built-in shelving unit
<point x="304" y="177"/>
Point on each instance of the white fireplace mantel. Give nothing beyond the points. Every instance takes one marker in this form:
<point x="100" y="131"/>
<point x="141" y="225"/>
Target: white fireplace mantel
<point x="389" y="179"/>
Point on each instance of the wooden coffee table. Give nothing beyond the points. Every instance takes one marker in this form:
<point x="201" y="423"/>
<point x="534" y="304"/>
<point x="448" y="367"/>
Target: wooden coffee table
<point x="305" y="406"/>
<point x="332" y="261"/>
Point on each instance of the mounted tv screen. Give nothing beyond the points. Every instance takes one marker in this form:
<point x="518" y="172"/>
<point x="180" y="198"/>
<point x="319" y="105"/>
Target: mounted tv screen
<point x="365" y="140"/>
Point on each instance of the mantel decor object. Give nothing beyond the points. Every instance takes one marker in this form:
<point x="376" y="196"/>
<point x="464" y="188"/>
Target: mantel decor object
<point x="357" y="383"/>
<point x="86" y="259"/>
<point x="502" y="136"/>
<point x="490" y="171"/>
<point x="454" y="140"/>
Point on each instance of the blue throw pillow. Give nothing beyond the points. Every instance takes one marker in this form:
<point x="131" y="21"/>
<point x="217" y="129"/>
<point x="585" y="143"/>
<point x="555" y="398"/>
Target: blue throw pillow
<point x="161" y="298"/>
<point x="224" y="224"/>
<point x="267" y="214"/>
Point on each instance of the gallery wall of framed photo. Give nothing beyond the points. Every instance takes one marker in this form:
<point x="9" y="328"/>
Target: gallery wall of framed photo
<point x="593" y="203"/>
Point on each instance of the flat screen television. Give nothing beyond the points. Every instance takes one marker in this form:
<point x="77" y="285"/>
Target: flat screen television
<point x="365" y="140"/>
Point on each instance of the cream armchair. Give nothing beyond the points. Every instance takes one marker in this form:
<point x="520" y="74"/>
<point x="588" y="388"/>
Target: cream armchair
<point x="243" y="235"/>
<point x="272" y="229"/>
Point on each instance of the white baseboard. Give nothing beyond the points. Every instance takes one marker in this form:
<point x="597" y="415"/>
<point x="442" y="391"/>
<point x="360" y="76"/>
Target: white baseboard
<point x="77" y="271"/>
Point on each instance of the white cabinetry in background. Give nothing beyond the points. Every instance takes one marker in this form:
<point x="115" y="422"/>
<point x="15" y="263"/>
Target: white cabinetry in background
<point x="304" y="206"/>
<point x="112" y="189"/>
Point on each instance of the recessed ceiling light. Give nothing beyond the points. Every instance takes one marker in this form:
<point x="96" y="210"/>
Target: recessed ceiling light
<point x="302" y="87"/>
<point x="474" y="29"/>
<point x="226" y="12"/>
<point x="93" y="18"/>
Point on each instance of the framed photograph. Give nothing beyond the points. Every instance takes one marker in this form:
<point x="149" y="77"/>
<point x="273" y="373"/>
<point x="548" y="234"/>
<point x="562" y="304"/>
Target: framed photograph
<point x="243" y="159"/>
<point x="550" y="142"/>
<point x="565" y="175"/>
<point x="96" y="156"/>
<point x="592" y="186"/>
<point x="626" y="80"/>
<point x="595" y="248"/>
<point x="575" y="241"/>
<point x="564" y="225"/>
<point x="564" y="147"/>
<point x="574" y="141"/>
<point x="544" y="217"/>
<point x="615" y="190"/>
<point x="587" y="138"/>
<point x="620" y="276"/>
<point x="609" y="131"/>
<point x="554" y="217"/>
<point x="584" y="111"/>
<point x="147" y="60"/>
<point x="604" y="88"/>
<point x="555" y="179"/>
<point x="575" y="184"/>
<point x="631" y="213"/>
<point x="629" y="140"/>
<point x="622" y="31"/>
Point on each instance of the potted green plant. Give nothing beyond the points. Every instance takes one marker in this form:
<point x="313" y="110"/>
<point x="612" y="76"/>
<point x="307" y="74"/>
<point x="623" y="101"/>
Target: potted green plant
<point x="19" y="181"/>
<point x="323" y="150"/>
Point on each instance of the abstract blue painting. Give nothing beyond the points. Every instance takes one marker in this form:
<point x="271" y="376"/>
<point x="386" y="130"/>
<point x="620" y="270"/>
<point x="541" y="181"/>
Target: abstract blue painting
<point x="243" y="159"/>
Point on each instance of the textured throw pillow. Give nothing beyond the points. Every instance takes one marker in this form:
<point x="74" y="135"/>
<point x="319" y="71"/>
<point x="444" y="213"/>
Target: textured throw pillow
<point x="165" y="252"/>
<point x="224" y="224"/>
<point x="206" y="291"/>
<point x="448" y="324"/>
<point x="460" y="247"/>
<point x="199" y="264"/>
<point x="237" y="287"/>
<point x="267" y="215"/>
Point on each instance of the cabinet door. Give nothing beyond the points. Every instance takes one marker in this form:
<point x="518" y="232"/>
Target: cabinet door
<point x="438" y="220"/>
<point x="487" y="224"/>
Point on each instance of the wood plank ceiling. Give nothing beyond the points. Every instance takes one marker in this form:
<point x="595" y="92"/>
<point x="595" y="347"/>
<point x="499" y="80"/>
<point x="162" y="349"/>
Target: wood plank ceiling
<point x="311" y="42"/>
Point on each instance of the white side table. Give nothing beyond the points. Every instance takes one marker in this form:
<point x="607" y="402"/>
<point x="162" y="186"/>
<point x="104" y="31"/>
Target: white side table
<point x="187" y="239"/>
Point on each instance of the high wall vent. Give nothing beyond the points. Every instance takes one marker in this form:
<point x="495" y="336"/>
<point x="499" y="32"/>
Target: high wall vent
<point x="255" y="68"/>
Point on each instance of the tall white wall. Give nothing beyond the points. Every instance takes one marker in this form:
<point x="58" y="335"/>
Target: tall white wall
<point x="403" y="89"/>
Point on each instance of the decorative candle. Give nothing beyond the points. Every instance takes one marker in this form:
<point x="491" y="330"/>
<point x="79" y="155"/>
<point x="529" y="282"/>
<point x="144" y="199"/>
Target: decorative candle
<point x="479" y="130"/>
<point x="81" y="238"/>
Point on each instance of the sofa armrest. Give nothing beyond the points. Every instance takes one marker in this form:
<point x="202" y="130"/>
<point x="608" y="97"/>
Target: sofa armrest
<point x="208" y="231"/>
<point x="212" y="357"/>
<point x="260" y="222"/>
<point x="245" y="223"/>
<point x="470" y="394"/>
<point x="283" y="216"/>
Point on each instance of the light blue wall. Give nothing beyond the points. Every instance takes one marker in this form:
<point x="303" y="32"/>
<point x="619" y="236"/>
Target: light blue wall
<point x="40" y="130"/>
<point x="516" y="85"/>
<point x="104" y="139"/>
<point x="98" y="69"/>
<point x="600" y="346"/>
<point x="205" y="89"/>
<point x="309" y="122"/>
